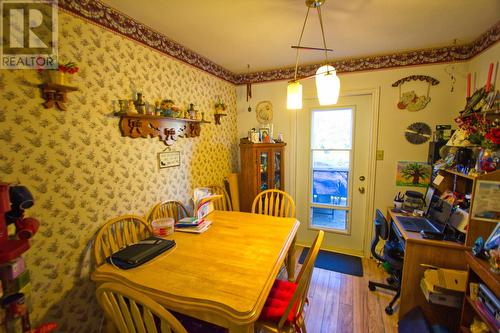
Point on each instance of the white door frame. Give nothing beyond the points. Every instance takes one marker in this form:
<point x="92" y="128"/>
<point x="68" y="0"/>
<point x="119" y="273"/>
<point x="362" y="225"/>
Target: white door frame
<point x="372" y="163"/>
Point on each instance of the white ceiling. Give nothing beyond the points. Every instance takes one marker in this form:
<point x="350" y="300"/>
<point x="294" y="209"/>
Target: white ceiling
<point x="234" y="33"/>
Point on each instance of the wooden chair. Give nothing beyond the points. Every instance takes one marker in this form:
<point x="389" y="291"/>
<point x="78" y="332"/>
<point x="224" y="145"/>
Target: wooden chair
<point x="225" y="202"/>
<point x="294" y="295"/>
<point x="275" y="203"/>
<point x="133" y="312"/>
<point x="118" y="233"/>
<point x="174" y="209"/>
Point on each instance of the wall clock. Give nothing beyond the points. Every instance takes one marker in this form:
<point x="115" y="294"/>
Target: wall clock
<point x="418" y="133"/>
<point x="264" y="112"/>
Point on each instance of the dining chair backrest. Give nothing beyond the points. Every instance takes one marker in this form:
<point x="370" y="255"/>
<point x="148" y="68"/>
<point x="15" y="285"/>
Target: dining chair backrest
<point x="225" y="202"/>
<point x="275" y="203"/>
<point x="133" y="312"/>
<point x="172" y="208"/>
<point x="299" y="297"/>
<point x="118" y="233"/>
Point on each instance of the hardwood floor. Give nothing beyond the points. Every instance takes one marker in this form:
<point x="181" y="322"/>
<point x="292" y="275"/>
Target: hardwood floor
<point x="343" y="303"/>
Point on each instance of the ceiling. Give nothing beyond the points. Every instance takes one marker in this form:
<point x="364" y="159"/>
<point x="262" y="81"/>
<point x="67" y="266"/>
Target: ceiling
<point x="234" y="33"/>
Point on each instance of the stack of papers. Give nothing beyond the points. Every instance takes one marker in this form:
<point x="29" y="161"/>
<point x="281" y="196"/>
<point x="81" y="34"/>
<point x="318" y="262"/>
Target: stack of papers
<point x="193" y="225"/>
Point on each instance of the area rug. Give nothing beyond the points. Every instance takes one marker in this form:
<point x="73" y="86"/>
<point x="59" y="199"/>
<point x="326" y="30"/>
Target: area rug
<point x="336" y="262"/>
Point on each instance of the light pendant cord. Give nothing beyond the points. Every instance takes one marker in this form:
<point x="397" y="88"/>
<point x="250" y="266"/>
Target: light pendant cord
<point x="300" y="40"/>
<point x="323" y="34"/>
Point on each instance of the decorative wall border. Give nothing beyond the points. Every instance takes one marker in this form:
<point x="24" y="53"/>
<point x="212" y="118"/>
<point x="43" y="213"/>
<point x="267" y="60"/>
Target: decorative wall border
<point x="114" y="20"/>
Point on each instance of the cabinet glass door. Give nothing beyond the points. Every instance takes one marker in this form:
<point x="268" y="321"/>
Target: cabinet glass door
<point x="277" y="170"/>
<point x="264" y="165"/>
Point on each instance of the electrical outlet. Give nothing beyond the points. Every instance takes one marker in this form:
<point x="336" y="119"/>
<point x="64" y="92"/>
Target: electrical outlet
<point x="380" y="155"/>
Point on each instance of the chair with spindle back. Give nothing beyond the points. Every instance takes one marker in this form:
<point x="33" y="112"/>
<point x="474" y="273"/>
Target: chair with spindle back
<point x="225" y="202"/>
<point x="131" y="311"/>
<point x="275" y="203"/>
<point x="118" y="233"/>
<point x="172" y="208"/>
<point x="284" y="307"/>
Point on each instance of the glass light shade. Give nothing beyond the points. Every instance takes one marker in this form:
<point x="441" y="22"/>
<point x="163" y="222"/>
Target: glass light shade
<point x="327" y="85"/>
<point x="294" y="96"/>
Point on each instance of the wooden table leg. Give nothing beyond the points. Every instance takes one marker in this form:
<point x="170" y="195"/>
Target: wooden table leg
<point x="290" y="264"/>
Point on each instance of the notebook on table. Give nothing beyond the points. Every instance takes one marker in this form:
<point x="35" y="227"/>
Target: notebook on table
<point x="436" y="215"/>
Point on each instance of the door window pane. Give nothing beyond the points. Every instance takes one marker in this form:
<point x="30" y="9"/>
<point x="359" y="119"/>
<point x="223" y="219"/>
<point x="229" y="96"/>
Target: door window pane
<point x="263" y="171"/>
<point x="329" y="218"/>
<point x="277" y="170"/>
<point x="332" y="129"/>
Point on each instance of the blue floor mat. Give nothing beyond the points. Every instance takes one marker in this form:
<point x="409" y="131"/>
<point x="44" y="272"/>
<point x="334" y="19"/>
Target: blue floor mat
<point x="336" y="262"/>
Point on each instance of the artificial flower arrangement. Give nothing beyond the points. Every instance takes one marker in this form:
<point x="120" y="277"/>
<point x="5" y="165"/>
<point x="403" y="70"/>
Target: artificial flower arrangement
<point x="479" y="130"/>
<point x="220" y="106"/>
<point x="69" y="67"/>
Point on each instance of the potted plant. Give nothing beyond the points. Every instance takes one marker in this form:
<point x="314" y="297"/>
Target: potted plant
<point x="220" y="106"/>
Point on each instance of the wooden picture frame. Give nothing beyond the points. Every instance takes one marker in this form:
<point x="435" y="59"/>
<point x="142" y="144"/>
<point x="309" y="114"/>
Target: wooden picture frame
<point x="486" y="198"/>
<point x="168" y="159"/>
<point x="265" y="134"/>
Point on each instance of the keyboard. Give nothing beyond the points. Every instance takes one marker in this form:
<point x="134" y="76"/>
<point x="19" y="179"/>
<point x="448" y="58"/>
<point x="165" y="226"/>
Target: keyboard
<point x="417" y="224"/>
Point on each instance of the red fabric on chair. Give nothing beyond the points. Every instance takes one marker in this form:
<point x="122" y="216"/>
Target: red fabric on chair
<point x="279" y="297"/>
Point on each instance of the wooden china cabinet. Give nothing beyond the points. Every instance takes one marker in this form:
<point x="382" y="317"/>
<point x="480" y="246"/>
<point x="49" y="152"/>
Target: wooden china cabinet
<point x="262" y="168"/>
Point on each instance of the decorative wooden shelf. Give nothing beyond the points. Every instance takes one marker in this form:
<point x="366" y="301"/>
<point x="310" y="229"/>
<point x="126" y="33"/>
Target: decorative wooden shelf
<point x="55" y="95"/>
<point x="217" y="117"/>
<point x="168" y="129"/>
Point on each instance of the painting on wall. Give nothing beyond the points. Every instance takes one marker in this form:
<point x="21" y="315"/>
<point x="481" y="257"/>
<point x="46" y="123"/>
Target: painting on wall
<point x="413" y="174"/>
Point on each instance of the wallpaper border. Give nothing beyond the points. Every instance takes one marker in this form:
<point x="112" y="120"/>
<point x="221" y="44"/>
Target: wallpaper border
<point x="120" y="23"/>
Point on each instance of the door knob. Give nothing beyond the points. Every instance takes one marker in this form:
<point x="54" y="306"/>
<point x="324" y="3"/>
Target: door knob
<point x="362" y="178"/>
<point x="361" y="189"/>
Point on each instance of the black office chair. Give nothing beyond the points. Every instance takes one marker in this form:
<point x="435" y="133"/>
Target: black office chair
<point x="392" y="257"/>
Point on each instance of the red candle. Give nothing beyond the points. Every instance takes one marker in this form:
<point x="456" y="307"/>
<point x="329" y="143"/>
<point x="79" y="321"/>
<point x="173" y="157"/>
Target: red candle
<point x="488" y="82"/>
<point x="468" y="84"/>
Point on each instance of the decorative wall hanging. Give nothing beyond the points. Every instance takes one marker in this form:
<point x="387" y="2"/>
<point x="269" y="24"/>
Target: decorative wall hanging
<point x="409" y="100"/>
<point x="418" y="133"/>
<point x="168" y="158"/>
<point x="264" y="112"/>
<point x="249" y="90"/>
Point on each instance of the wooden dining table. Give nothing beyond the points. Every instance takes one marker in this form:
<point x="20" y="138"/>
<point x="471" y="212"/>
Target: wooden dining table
<point x="222" y="276"/>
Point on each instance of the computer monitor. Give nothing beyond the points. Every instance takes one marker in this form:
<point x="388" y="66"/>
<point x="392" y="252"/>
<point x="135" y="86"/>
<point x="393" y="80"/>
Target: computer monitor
<point x="428" y="198"/>
<point x="439" y="212"/>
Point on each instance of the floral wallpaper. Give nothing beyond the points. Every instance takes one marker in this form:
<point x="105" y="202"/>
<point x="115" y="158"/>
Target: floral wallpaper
<point x="80" y="169"/>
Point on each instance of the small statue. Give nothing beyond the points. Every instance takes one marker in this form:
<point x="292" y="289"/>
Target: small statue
<point x="192" y="111"/>
<point x="131" y="107"/>
<point x="140" y="104"/>
<point x="157" y="108"/>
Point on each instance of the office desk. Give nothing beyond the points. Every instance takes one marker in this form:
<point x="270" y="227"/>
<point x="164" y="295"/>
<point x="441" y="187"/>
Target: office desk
<point x="419" y="251"/>
<point x="222" y="276"/>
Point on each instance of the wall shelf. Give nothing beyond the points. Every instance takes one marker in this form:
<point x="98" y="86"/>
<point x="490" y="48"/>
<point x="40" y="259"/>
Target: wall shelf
<point x="55" y="95"/>
<point x="168" y="129"/>
<point x="217" y="117"/>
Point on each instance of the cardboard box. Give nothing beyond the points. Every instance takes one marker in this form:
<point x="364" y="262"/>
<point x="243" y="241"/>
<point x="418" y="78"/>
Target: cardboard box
<point x="445" y="280"/>
<point x="451" y="298"/>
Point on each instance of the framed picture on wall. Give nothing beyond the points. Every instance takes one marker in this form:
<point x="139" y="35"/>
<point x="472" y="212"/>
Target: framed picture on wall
<point x="485" y="206"/>
<point x="168" y="159"/>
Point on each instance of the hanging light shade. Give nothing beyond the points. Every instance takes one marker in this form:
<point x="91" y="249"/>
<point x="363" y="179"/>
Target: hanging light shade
<point x="294" y="96"/>
<point x="327" y="82"/>
<point x="327" y="85"/>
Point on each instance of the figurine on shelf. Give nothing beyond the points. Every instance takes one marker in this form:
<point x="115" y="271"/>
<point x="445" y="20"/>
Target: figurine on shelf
<point x="131" y="110"/>
<point x="192" y="111"/>
<point x="167" y="108"/>
<point x="157" y="108"/>
<point x="140" y="104"/>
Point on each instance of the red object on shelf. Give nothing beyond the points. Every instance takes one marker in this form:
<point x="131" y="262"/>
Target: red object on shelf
<point x="488" y="82"/>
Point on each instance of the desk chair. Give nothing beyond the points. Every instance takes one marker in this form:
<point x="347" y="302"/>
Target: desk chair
<point x="117" y="233"/>
<point x="283" y="310"/>
<point x="174" y="209"/>
<point x="132" y="311"/>
<point x="225" y="202"/>
<point x="275" y="203"/>
<point x="391" y="257"/>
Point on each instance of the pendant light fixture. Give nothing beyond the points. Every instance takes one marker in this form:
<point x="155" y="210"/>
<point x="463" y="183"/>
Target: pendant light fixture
<point x="327" y="82"/>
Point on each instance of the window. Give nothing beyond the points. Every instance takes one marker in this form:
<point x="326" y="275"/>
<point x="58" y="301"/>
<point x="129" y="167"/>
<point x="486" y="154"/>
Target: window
<point x="331" y="163"/>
